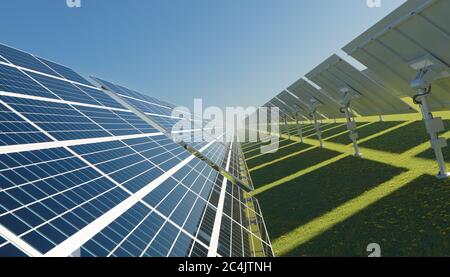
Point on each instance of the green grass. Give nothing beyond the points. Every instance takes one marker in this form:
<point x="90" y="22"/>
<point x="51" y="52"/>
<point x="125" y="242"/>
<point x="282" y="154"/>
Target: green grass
<point x="411" y="221"/>
<point x="290" y="166"/>
<point x="253" y="162"/>
<point x="365" y="131"/>
<point x="257" y="151"/>
<point x="325" y="202"/>
<point x="299" y="201"/>
<point x="401" y="139"/>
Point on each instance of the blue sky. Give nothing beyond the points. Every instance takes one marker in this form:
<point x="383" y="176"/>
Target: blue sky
<point x="228" y="52"/>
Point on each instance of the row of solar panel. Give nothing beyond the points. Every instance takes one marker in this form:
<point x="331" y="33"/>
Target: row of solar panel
<point x="68" y="194"/>
<point x="163" y="118"/>
<point x="411" y="38"/>
<point x="49" y="195"/>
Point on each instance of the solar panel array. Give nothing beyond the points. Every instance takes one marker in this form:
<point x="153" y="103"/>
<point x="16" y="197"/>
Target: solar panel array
<point x="83" y="175"/>
<point x="335" y="74"/>
<point x="406" y="54"/>
<point x="161" y="113"/>
<point x="306" y="92"/>
<point x="416" y="32"/>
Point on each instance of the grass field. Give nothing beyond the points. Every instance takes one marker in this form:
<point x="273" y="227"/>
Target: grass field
<point x="325" y="202"/>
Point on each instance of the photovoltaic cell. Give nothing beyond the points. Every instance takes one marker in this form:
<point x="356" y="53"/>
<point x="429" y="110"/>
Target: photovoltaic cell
<point x="8" y="249"/>
<point x="59" y="120"/>
<point x="13" y="80"/>
<point x="14" y="130"/>
<point x="47" y="195"/>
<point x="65" y="72"/>
<point x="100" y="97"/>
<point x="161" y="114"/>
<point x="65" y="90"/>
<point x="23" y="59"/>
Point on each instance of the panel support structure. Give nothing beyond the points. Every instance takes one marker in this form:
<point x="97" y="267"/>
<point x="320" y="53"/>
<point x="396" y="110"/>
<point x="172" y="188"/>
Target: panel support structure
<point x="434" y="126"/>
<point x="426" y="74"/>
<point x="299" y="128"/>
<point x="351" y="127"/>
<point x="317" y="127"/>
<point x="287" y="127"/>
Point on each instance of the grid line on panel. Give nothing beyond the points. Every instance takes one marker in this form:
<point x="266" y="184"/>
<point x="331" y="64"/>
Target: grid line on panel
<point x="96" y="143"/>
<point x="23" y="59"/>
<point x="65" y="72"/>
<point x="15" y="130"/>
<point x="62" y="121"/>
<point x="85" y="234"/>
<point x="169" y="216"/>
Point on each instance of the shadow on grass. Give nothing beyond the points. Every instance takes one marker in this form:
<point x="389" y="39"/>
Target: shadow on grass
<point x="257" y="150"/>
<point x="323" y="128"/>
<point x="294" y="130"/>
<point x="291" y="166"/>
<point x="279" y="154"/>
<point x="335" y="131"/>
<point x="429" y="154"/>
<point x="297" y="202"/>
<point x="365" y="131"/>
<point x="256" y="145"/>
<point x="400" y="140"/>
<point x="413" y="221"/>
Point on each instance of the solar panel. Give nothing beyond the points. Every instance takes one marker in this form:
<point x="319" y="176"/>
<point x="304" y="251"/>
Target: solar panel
<point x="81" y="175"/>
<point x="25" y="60"/>
<point x="394" y="48"/>
<point x="285" y="109"/>
<point x="368" y="98"/>
<point x="408" y="50"/>
<point x="65" y="72"/>
<point x="160" y="113"/>
<point x="310" y="107"/>
<point x="355" y="91"/>
<point x="295" y="105"/>
<point x="306" y="92"/>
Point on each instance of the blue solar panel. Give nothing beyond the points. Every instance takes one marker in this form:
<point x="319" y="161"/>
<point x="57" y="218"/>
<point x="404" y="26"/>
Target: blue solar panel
<point x="41" y="188"/>
<point x="165" y="223"/>
<point x="127" y="191"/>
<point x="64" y="89"/>
<point x="112" y="122"/>
<point x="25" y="60"/>
<point x="135" y="121"/>
<point x="65" y="72"/>
<point x="161" y="114"/>
<point x="12" y="80"/>
<point x="121" y="163"/>
<point x="100" y="97"/>
<point x="121" y="90"/>
<point x="14" y="130"/>
<point x="60" y="120"/>
<point x="7" y="249"/>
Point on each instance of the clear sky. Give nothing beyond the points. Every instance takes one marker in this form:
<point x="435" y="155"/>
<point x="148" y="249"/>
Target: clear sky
<point x="228" y="52"/>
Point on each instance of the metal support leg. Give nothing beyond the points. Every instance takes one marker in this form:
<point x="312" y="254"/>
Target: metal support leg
<point x="351" y="126"/>
<point x="434" y="126"/>
<point x="287" y="128"/>
<point x="381" y="118"/>
<point x="299" y="128"/>
<point x="317" y="127"/>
